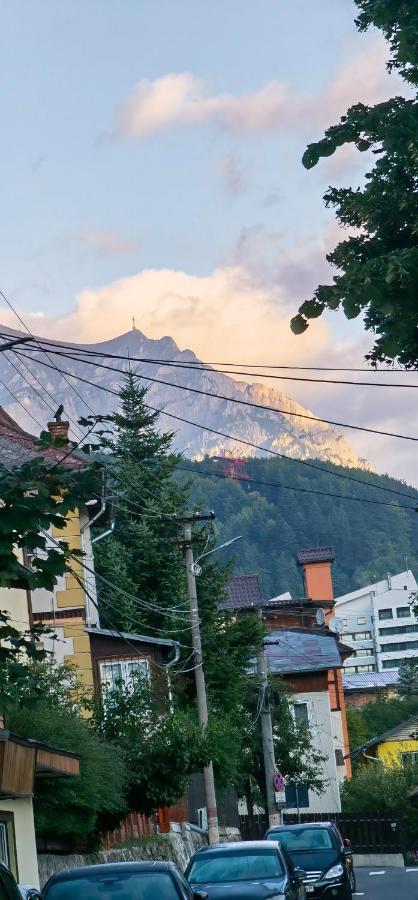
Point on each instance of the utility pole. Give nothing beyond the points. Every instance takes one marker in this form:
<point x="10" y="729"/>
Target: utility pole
<point x="210" y="793"/>
<point x="267" y="737"/>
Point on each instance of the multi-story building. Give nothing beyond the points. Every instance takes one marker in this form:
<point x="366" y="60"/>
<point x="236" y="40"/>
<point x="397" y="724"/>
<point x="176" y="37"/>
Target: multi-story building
<point x="379" y="623"/>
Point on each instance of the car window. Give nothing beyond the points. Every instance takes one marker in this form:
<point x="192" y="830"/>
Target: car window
<point x="115" y="886"/>
<point x="303" y="839"/>
<point x="235" y="867"/>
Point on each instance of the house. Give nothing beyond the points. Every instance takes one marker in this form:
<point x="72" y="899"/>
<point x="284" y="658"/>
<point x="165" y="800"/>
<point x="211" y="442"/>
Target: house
<point x="397" y="746"/>
<point x="22" y="763"/>
<point x="70" y="611"/>
<point x="361" y="688"/>
<point x="309" y="657"/>
<point x="379" y="623"/>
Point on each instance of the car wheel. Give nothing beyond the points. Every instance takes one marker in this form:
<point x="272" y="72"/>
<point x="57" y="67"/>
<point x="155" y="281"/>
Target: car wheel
<point x="352" y="882"/>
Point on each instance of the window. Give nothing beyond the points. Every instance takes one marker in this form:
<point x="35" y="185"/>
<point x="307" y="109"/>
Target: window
<point x="4" y="848"/>
<point x="349" y="670"/>
<point x="409" y="759"/>
<point x="301" y="714"/>
<point x="385" y="614"/>
<point x="345" y="622"/>
<point x="358" y="636"/>
<point x="339" y="757"/>
<point x="369" y="668"/>
<point x="392" y="663"/>
<point x="234" y="865"/>
<point x="364" y="651"/>
<point x="121" y="671"/>
<point x="403" y="612"/>
<point x="399" y="629"/>
<point x="121" y="885"/>
<point x="398" y="645"/>
<point x="361" y="620"/>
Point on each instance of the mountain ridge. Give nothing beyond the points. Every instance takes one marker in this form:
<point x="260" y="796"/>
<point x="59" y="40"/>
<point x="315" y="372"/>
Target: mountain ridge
<point x="290" y="435"/>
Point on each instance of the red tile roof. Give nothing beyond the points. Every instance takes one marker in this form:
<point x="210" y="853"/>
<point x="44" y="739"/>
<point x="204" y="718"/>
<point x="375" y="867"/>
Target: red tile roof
<point x="18" y="446"/>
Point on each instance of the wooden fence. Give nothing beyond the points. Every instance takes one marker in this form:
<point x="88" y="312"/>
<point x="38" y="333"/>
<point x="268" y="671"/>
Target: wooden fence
<point x="134" y="826"/>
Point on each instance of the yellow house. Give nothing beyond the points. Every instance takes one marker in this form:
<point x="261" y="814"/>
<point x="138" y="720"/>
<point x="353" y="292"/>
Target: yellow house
<point x="72" y="605"/>
<point x="395" y="747"/>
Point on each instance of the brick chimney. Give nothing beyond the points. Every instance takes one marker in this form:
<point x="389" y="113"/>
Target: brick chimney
<point x="59" y="430"/>
<point x="316" y="564"/>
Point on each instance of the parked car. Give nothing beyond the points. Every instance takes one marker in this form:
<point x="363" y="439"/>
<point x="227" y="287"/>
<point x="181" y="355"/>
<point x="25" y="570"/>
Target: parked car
<point x="121" y="881"/>
<point x="246" y="870"/>
<point x="319" y="848"/>
<point x="10" y="890"/>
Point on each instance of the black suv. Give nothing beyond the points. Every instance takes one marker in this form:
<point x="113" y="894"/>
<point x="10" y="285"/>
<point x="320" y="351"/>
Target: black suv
<point x="319" y="849"/>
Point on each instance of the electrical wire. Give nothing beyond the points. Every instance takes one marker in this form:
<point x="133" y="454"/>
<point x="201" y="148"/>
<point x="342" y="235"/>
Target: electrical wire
<point x="214" y="365"/>
<point x="302" y="462"/>
<point x="246" y="403"/>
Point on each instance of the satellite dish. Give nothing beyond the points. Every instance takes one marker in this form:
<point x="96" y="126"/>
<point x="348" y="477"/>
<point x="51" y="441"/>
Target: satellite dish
<point x="320" y="616"/>
<point x="336" y="625"/>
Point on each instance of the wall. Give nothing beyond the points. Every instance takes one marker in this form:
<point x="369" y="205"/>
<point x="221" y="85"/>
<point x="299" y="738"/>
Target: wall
<point x="390" y="751"/>
<point x="24" y="828"/>
<point x="178" y="846"/>
<point x="322" y="735"/>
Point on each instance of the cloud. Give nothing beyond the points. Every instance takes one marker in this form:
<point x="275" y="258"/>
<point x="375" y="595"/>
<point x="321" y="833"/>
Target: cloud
<point x="183" y="99"/>
<point x="233" y="175"/>
<point x="106" y="243"/>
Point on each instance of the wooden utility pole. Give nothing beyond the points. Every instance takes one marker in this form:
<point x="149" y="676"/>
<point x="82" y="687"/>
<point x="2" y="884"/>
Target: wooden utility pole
<point x="267" y="737"/>
<point x="210" y="793"/>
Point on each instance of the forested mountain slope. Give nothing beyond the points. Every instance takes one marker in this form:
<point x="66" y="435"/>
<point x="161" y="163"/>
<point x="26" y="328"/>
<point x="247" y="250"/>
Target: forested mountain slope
<point x="370" y="538"/>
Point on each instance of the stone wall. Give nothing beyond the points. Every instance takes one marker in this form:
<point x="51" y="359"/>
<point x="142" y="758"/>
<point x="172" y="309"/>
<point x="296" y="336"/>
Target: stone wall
<point x="177" y="846"/>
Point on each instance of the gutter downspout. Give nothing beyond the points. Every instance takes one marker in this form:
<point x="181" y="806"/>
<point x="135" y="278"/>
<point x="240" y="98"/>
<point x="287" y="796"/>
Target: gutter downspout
<point x="172" y="662"/>
<point x="373" y="758"/>
<point x="99" y="537"/>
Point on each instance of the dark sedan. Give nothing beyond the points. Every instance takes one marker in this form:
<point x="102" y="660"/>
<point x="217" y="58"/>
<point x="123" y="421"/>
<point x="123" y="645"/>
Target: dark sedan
<point x="122" y="881"/>
<point x="250" y="870"/>
<point x="318" y="848"/>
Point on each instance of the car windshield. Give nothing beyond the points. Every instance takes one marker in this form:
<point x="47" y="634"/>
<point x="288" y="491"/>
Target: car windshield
<point x="215" y="869"/>
<point x="303" y="839"/>
<point x="115" y="886"/>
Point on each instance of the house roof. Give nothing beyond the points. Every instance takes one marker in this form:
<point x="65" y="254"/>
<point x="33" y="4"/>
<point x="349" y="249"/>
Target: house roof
<point x="360" y="681"/>
<point x="244" y="592"/>
<point x="299" y="650"/>
<point x="407" y="724"/>
<point x="131" y="637"/>
<point x="316" y="554"/>
<point x="18" y="447"/>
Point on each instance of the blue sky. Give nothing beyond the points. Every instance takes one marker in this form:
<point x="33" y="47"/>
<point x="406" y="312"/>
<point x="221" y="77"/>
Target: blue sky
<point x="151" y="166"/>
<point x="68" y="66"/>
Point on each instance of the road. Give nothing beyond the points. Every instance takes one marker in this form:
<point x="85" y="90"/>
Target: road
<point x="387" y="884"/>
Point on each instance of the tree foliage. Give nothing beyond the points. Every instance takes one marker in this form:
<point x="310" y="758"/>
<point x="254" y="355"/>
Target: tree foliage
<point x="378" y="266"/>
<point x="162" y="746"/>
<point x="49" y="709"/>
<point x="407" y="685"/>
<point x="275" y="523"/>
<point x="378" y="717"/>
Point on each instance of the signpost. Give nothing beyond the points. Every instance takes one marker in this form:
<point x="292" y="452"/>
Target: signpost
<point x="279" y="790"/>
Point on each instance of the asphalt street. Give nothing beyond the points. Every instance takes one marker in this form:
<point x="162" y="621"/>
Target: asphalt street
<point x="387" y="884"/>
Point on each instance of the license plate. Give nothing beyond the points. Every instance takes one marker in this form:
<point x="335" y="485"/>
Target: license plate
<point x="309" y="888"/>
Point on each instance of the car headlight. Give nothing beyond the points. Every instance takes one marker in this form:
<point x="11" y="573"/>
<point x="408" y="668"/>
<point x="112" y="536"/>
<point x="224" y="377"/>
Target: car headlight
<point x="335" y="871"/>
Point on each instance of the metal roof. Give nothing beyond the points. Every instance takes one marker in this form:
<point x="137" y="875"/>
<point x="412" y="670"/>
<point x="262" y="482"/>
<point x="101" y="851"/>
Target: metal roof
<point x="296" y="650"/>
<point x="316" y="554"/>
<point x="132" y="637"/>
<point x="244" y="592"/>
<point x="357" y="681"/>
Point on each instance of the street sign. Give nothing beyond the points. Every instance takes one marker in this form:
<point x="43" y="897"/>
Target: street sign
<point x="280" y="798"/>
<point x="278" y="781"/>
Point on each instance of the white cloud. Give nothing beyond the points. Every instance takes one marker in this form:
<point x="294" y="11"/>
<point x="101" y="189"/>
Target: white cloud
<point x="106" y="243"/>
<point x="182" y="99"/>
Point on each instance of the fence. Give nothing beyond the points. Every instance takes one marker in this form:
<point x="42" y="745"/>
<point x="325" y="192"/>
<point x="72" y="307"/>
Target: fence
<point x="378" y="833"/>
<point x="134" y="826"/>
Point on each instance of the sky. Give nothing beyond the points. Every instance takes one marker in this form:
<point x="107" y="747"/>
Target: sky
<point x="151" y="163"/>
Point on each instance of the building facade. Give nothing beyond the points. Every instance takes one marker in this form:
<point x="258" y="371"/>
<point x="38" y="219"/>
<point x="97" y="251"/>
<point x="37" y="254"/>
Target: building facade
<point x="377" y="621"/>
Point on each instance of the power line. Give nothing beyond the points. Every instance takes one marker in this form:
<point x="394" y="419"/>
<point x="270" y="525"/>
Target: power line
<point x="247" y="403"/>
<point x="214" y="365"/>
<point x="302" y="462"/>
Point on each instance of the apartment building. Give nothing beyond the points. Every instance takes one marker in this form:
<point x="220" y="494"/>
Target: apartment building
<point x="379" y="623"/>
